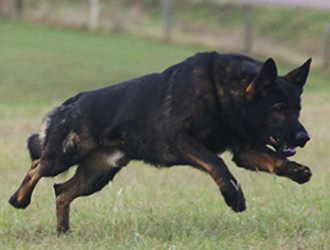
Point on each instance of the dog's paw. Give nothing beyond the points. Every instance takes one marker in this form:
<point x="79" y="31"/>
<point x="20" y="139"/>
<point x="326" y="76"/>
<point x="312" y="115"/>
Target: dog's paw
<point x="234" y="196"/>
<point x="298" y="173"/>
<point x="19" y="203"/>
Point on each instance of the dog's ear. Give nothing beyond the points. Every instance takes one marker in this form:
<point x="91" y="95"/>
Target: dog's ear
<point x="265" y="79"/>
<point x="299" y="75"/>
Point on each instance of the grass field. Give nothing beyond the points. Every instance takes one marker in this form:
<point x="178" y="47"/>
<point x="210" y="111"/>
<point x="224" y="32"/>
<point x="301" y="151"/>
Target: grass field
<point x="145" y="208"/>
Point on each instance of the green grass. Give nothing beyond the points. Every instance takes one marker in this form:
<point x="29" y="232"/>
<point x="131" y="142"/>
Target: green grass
<point x="144" y="208"/>
<point x="45" y="64"/>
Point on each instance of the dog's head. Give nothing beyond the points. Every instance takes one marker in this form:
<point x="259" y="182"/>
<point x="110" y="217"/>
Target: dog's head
<point x="273" y="107"/>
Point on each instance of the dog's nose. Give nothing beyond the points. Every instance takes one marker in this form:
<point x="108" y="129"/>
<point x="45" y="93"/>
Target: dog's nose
<point x="302" y="138"/>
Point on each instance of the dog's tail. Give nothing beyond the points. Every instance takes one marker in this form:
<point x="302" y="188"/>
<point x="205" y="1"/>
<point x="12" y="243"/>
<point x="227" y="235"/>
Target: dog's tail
<point x="34" y="146"/>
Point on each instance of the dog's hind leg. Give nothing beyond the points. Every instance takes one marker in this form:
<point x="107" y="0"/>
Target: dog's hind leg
<point x="43" y="167"/>
<point x="91" y="176"/>
<point x="22" y="197"/>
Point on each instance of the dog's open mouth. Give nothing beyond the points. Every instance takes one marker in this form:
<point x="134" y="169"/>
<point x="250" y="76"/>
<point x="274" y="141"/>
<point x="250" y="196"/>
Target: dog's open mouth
<point x="282" y="148"/>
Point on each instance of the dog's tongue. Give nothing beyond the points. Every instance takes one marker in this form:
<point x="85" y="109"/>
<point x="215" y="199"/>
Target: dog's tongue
<point x="272" y="140"/>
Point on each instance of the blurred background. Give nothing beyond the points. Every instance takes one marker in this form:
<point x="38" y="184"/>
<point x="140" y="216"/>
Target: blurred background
<point x="291" y="29"/>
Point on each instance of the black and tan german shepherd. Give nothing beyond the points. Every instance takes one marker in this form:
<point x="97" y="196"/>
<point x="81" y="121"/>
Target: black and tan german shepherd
<point x="186" y="115"/>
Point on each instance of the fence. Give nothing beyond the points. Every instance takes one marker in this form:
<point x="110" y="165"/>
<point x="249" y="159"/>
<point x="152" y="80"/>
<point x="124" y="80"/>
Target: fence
<point x="214" y="23"/>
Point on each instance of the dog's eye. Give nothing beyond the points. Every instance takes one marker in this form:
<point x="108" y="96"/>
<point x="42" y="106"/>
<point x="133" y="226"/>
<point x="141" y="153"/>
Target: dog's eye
<point x="280" y="108"/>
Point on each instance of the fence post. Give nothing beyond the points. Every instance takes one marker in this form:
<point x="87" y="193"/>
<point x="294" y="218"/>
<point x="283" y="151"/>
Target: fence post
<point x="19" y="7"/>
<point x="95" y="14"/>
<point x="326" y="45"/>
<point x="248" y="29"/>
<point x="166" y="10"/>
<point x="3" y="9"/>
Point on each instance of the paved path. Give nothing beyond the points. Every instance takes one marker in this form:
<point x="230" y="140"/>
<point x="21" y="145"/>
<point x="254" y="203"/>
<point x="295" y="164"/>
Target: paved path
<point x="320" y="4"/>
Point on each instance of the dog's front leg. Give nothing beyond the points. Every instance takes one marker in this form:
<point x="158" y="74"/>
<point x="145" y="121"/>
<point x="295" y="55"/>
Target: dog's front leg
<point x="264" y="159"/>
<point x="193" y="153"/>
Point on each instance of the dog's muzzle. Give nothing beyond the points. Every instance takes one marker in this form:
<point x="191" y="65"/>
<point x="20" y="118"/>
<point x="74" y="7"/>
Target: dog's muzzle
<point x="301" y="138"/>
